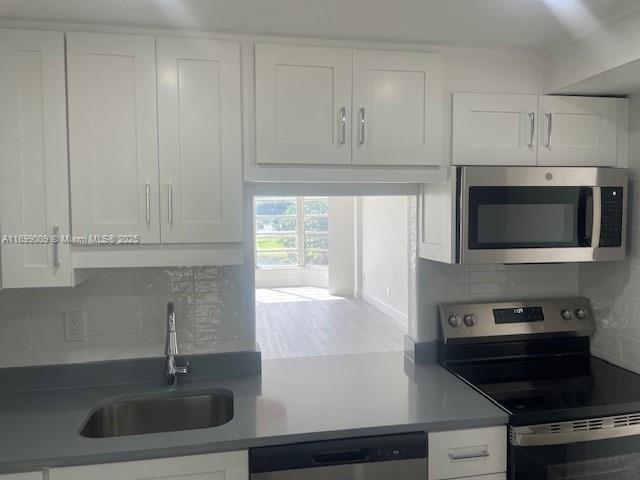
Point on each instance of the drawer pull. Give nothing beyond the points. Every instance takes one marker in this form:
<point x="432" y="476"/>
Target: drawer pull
<point x="468" y="455"/>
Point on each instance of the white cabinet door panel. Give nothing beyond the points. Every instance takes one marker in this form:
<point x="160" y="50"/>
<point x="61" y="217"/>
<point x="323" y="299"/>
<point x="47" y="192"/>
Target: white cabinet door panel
<point x="34" y="182"/>
<point x="494" y="129"/>
<point x="217" y="466"/>
<point x="577" y="131"/>
<point x="397" y="108"/>
<point x="303" y="104"/>
<point x="200" y="150"/>
<point x="464" y="453"/>
<point x="113" y="135"/>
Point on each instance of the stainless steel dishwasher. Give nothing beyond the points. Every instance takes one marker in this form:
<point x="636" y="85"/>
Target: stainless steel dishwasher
<point x="386" y="457"/>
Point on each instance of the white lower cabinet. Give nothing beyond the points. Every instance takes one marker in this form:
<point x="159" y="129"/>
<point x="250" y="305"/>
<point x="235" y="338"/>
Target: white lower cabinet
<point x="216" y="466"/>
<point x="479" y="453"/>
<point x="22" y="476"/>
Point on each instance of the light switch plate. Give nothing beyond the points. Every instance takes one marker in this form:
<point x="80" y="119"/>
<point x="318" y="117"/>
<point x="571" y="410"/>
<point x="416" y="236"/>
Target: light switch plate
<point x="74" y="326"/>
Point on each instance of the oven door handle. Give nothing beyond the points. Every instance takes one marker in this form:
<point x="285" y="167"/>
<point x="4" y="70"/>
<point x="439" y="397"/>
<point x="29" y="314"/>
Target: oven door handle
<point x="540" y="435"/>
<point x="597" y="218"/>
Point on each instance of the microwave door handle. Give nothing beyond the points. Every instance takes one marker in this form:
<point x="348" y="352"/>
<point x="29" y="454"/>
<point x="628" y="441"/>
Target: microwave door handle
<point x="597" y="217"/>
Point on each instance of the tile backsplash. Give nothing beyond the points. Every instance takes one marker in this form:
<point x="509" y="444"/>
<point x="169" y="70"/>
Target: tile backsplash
<point x="443" y="283"/>
<point x="125" y="316"/>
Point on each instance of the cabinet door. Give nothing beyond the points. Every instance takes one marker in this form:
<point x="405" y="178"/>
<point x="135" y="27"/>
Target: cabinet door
<point x="199" y="136"/>
<point x="34" y="182"/>
<point x="466" y="453"/>
<point x="397" y="108"/>
<point x="218" y="466"/>
<point x="303" y="104"/>
<point x="577" y="131"/>
<point x="494" y="129"/>
<point x="436" y="220"/>
<point x="113" y="135"/>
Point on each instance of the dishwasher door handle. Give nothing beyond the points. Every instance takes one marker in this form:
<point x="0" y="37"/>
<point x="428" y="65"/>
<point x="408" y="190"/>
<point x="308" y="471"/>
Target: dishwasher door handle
<point x="330" y="457"/>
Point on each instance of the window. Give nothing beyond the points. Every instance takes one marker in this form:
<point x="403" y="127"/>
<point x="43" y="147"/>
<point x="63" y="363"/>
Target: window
<point x="292" y="231"/>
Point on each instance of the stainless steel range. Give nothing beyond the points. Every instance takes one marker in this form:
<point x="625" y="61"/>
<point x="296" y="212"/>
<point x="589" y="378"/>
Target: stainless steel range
<point x="571" y="415"/>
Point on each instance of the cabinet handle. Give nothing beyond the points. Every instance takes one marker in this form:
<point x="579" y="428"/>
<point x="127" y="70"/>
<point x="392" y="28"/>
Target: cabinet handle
<point x="343" y="125"/>
<point x="468" y="456"/>
<point x="549" y="124"/>
<point x="532" y="125"/>
<point x="362" y="125"/>
<point x="170" y="203"/>
<point x="56" y="247"/>
<point x="147" y="202"/>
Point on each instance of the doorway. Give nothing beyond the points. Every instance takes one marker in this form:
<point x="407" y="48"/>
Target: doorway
<point x="332" y="274"/>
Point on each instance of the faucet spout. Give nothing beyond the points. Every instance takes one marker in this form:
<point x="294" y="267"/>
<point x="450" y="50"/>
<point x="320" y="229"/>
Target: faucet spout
<point x="171" y="344"/>
<point x="171" y="350"/>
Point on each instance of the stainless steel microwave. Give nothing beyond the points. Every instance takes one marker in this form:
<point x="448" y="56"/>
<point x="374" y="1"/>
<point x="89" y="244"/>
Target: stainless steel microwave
<point x="540" y="214"/>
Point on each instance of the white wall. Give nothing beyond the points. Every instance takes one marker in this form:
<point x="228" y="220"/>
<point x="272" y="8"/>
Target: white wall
<point x="342" y="246"/>
<point x="385" y="254"/>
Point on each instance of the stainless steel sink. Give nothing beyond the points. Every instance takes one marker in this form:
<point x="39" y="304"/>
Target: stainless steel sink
<point x="160" y="414"/>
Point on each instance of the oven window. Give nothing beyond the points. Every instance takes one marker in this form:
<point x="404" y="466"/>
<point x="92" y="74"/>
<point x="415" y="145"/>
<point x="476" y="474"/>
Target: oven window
<point x="614" y="459"/>
<point x="527" y="217"/>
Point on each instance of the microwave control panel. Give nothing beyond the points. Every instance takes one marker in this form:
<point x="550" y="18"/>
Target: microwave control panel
<point x="611" y="224"/>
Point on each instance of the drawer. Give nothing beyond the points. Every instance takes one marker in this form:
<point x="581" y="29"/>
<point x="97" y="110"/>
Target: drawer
<point x="466" y="453"/>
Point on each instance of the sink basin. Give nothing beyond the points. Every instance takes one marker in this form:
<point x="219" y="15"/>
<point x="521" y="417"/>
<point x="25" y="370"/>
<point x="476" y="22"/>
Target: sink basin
<point x="160" y="414"/>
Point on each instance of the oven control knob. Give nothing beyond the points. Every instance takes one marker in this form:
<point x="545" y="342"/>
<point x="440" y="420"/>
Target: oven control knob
<point x="454" y="321"/>
<point x="581" y="314"/>
<point x="470" y="320"/>
<point x="566" y="314"/>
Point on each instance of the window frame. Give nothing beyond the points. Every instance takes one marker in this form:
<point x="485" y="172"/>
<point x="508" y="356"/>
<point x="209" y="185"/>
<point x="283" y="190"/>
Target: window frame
<point x="299" y="234"/>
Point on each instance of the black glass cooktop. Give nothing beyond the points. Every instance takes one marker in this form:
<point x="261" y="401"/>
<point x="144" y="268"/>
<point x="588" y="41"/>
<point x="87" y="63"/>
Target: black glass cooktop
<point x="553" y="389"/>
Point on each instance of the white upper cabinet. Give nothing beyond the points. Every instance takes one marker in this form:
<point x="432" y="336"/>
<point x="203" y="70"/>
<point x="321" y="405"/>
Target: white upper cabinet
<point x="577" y="131"/>
<point x="494" y="129"/>
<point x="303" y="104"/>
<point x="113" y="135"/>
<point x="34" y="187"/>
<point x="310" y="111"/>
<point x="397" y="108"/>
<point x="505" y="129"/>
<point x="199" y="131"/>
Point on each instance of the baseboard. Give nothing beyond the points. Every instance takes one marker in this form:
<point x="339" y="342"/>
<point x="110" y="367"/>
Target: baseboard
<point x="385" y="308"/>
<point x="291" y="277"/>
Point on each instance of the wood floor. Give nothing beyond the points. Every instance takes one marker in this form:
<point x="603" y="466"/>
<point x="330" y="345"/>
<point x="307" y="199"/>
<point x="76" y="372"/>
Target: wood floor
<point x="308" y="321"/>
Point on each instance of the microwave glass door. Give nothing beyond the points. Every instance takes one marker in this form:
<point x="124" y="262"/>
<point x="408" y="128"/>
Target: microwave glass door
<point x="610" y="459"/>
<point x="529" y="217"/>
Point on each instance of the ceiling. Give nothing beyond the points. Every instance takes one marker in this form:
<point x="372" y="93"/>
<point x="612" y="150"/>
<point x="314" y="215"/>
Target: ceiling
<point x="533" y="25"/>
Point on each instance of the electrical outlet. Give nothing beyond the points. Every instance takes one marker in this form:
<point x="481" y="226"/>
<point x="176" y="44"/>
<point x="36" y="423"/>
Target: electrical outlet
<point x="74" y="326"/>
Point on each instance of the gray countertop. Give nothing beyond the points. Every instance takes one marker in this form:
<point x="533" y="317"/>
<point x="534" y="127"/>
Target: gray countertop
<point x="294" y="400"/>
